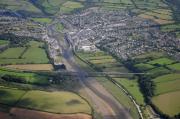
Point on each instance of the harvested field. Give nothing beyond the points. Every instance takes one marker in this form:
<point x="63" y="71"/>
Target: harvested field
<point x="35" y="67"/>
<point x="32" y="114"/>
<point x="168" y="103"/>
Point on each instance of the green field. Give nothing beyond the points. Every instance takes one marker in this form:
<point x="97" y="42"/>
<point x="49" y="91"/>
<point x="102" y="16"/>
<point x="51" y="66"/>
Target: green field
<point x="144" y="67"/>
<point x="69" y="6"/>
<point x="58" y="6"/>
<point x="31" y="78"/>
<point x="104" y="62"/>
<point x="11" y="53"/>
<point x="155" y="10"/>
<point x="42" y="20"/>
<point x="175" y="66"/>
<point x="59" y="27"/>
<point x="120" y="96"/>
<point x="168" y="103"/>
<point x="22" y="5"/>
<point x="162" y="71"/>
<point x="4" y="42"/>
<point x="25" y="55"/>
<point x="166" y="87"/>
<point x="166" y="78"/>
<point x="55" y="102"/>
<point x="72" y="5"/>
<point x="132" y="87"/>
<point x="158" y="71"/>
<point x="152" y="55"/>
<point x="10" y="96"/>
<point x="35" y="55"/>
<point x="172" y="28"/>
<point x="161" y="61"/>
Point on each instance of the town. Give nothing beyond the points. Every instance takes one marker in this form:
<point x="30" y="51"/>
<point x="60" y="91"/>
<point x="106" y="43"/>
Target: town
<point x="119" y="33"/>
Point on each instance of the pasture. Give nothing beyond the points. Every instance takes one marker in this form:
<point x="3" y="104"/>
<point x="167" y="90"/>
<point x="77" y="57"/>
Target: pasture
<point x="72" y="5"/>
<point x="12" y="53"/>
<point x="158" y="71"/>
<point x="101" y="61"/>
<point x="152" y="55"/>
<point x="168" y="103"/>
<point x="161" y="16"/>
<point x="175" y="66"/>
<point x="55" y="102"/>
<point x="61" y="102"/>
<point x="161" y="69"/>
<point x="132" y="87"/>
<point x="10" y="96"/>
<point x="167" y="78"/>
<point x="53" y="7"/>
<point x="119" y="95"/>
<point x="144" y="67"/>
<point x="59" y="27"/>
<point x="22" y="5"/>
<point x="167" y="83"/>
<point x="42" y="20"/>
<point x="34" y="54"/>
<point x="155" y="10"/>
<point x="161" y="61"/>
<point x="174" y="27"/>
<point x="31" y="78"/>
<point x="33" y="67"/>
<point x="104" y="62"/>
<point x="4" y="42"/>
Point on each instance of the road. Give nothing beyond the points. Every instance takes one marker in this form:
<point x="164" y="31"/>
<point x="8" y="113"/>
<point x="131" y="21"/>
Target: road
<point x="102" y="100"/>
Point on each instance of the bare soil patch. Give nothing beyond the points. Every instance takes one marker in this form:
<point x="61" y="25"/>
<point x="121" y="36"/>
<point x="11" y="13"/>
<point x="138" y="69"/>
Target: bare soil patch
<point x="32" y="114"/>
<point x="4" y="115"/>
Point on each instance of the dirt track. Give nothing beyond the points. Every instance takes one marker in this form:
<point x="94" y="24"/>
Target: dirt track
<point x="19" y="113"/>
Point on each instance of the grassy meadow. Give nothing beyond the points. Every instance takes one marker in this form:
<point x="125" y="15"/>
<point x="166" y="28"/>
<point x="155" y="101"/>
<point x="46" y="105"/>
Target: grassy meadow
<point x="4" y="42"/>
<point x="42" y="20"/>
<point x="53" y="102"/>
<point x="30" y="78"/>
<point x="132" y="87"/>
<point x="22" y="5"/>
<point x="168" y="103"/>
<point x="33" y="54"/>
<point x="119" y="95"/>
<point x="10" y="96"/>
<point x="32" y="67"/>
<point x="163" y="71"/>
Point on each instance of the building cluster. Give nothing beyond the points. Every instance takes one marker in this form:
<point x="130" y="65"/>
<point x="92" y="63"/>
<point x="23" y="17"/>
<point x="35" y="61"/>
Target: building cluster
<point x="10" y="23"/>
<point x="54" y="49"/>
<point x="119" y="33"/>
<point x="13" y="24"/>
